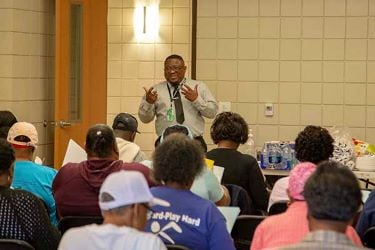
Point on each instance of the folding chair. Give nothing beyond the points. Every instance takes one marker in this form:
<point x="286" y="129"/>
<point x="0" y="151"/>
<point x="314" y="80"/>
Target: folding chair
<point x="176" y="247"/>
<point x="77" y="221"/>
<point x="243" y="230"/>
<point x="13" y="244"/>
<point x="240" y="198"/>
<point x="369" y="238"/>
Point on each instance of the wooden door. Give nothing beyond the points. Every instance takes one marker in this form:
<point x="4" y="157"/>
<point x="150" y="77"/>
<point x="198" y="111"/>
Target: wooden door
<point x="80" y="71"/>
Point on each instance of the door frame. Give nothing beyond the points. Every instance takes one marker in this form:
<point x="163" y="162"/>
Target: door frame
<point x="93" y="72"/>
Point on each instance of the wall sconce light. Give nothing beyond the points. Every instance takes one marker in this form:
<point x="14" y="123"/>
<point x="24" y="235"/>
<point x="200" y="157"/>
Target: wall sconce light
<point x="146" y="21"/>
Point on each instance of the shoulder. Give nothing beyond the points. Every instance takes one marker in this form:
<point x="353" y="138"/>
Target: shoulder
<point x="67" y="171"/>
<point x="69" y="167"/>
<point x="282" y="183"/>
<point x="48" y="170"/>
<point x="25" y="198"/>
<point x="192" y="83"/>
<point x="73" y="237"/>
<point x="370" y="202"/>
<point x="160" y="85"/>
<point x="211" y="152"/>
<point x="135" y="166"/>
<point x="248" y="160"/>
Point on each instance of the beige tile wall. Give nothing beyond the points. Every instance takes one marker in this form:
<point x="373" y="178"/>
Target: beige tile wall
<point x="132" y="64"/>
<point x="26" y="59"/>
<point x="313" y="59"/>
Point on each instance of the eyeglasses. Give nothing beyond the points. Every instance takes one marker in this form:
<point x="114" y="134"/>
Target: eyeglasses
<point x="173" y="68"/>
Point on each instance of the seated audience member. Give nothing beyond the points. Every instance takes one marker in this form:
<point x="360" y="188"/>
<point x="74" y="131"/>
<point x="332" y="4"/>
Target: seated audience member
<point x="125" y="127"/>
<point x="314" y="144"/>
<point x="28" y="175"/>
<point x="190" y="220"/>
<point x="367" y="217"/>
<point x="292" y="225"/>
<point x="206" y="184"/>
<point x="23" y="215"/>
<point x="124" y="199"/>
<point x="228" y="131"/>
<point x="7" y="119"/>
<point x="333" y="197"/>
<point x="76" y="186"/>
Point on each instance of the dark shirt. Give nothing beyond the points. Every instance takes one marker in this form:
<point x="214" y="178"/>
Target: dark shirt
<point x="242" y="170"/>
<point x="24" y="217"/>
<point x="76" y="186"/>
<point x="367" y="218"/>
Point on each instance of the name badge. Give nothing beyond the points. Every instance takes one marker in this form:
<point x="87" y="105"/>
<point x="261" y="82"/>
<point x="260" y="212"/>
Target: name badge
<point x="170" y="114"/>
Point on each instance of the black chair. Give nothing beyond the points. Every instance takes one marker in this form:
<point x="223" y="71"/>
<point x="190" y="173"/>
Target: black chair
<point x="240" y="198"/>
<point x="243" y="230"/>
<point x="12" y="244"/>
<point x="278" y="207"/>
<point x="369" y="238"/>
<point x="77" y="221"/>
<point x="176" y="247"/>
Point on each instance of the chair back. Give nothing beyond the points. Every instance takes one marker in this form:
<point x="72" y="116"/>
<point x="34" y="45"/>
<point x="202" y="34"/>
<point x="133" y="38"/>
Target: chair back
<point x="176" y="247"/>
<point x="243" y="230"/>
<point x="77" y="221"/>
<point x="13" y="244"/>
<point x="240" y="198"/>
<point x="278" y="207"/>
<point x="369" y="238"/>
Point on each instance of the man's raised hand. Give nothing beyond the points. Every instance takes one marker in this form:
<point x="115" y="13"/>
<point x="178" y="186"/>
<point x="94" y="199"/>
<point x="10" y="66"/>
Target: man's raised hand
<point x="189" y="93"/>
<point x="151" y="95"/>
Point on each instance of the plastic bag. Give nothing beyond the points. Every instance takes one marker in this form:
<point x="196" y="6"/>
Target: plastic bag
<point x="343" y="151"/>
<point x="362" y="148"/>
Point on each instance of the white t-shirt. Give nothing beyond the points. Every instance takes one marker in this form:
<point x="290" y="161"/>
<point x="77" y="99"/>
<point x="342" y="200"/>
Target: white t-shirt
<point x="109" y="236"/>
<point x="279" y="192"/>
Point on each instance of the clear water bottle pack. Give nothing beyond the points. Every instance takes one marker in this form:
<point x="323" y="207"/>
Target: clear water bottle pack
<point x="278" y="155"/>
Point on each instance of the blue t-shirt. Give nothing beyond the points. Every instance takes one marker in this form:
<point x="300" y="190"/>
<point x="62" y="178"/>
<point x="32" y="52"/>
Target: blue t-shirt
<point x="367" y="218"/>
<point x="190" y="221"/>
<point x="36" y="179"/>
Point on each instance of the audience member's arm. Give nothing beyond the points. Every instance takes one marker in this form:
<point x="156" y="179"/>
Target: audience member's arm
<point x="225" y="200"/>
<point x="257" y="187"/>
<point x="146" y="111"/>
<point x="147" y="173"/>
<point x="219" y="237"/>
<point x="205" y="102"/>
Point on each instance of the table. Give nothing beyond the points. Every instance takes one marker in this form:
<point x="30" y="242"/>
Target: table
<point x="361" y="175"/>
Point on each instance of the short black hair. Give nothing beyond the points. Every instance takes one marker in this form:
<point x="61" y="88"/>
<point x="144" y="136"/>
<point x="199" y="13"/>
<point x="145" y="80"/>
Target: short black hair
<point x="174" y="56"/>
<point x="314" y="144"/>
<point x="100" y="141"/>
<point x="175" y="129"/>
<point x="6" y="155"/>
<point x="7" y="119"/>
<point x="178" y="159"/>
<point x="229" y="126"/>
<point x="332" y="192"/>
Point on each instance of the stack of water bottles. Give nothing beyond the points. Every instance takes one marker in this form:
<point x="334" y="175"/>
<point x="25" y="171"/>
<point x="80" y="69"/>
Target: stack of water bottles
<point x="278" y="155"/>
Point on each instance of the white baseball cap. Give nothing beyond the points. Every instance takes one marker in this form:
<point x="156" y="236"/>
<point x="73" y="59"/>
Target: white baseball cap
<point x="24" y="129"/>
<point x="126" y="188"/>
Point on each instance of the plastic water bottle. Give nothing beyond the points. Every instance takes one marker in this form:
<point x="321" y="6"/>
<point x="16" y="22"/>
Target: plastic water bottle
<point x="287" y="156"/>
<point x="275" y="156"/>
<point x="249" y="146"/>
<point x="264" y="156"/>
